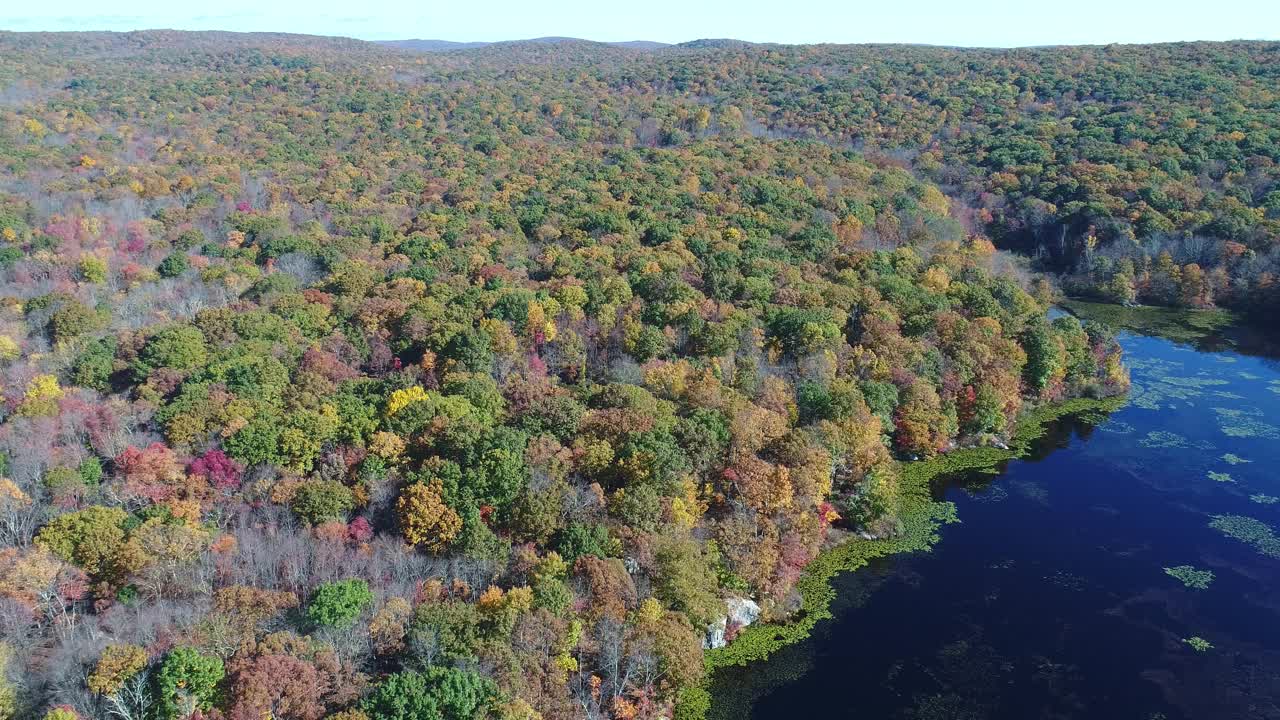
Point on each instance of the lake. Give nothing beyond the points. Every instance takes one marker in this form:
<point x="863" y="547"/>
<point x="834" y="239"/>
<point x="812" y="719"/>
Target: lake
<point x="1051" y="598"/>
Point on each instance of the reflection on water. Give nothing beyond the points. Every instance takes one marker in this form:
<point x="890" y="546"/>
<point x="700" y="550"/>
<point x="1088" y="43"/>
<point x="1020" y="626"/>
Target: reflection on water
<point x="1127" y="570"/>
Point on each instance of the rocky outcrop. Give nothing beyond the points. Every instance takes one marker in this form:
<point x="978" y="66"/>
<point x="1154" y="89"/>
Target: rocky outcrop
<point x="715" y="633"/>
<point x="740" y="612"/>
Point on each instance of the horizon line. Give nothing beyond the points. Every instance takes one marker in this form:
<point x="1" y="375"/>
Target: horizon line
<point x="476" y="44"/>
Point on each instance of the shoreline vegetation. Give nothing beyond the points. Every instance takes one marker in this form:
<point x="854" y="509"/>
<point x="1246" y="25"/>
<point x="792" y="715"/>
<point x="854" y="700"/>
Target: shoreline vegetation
<point x="1182" y="325"/>
<point x="921" y="518"/>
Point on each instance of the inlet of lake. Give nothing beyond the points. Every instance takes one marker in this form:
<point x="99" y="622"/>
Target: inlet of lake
<point x="1128" y="570"/>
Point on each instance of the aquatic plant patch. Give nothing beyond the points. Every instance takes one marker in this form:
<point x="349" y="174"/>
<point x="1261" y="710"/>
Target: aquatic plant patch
<point x="1198" y="643"/>
<point x="993" y="494"/>
<point x="1163" y="439"/>
<point x="1033" y="491"/>
<point x="1193" y="382"/>
<point x="1248" y="530"/>
<point x="1156" y="392"/>
<point x="1190" y="576"/>
<point x="1244" y="423"/>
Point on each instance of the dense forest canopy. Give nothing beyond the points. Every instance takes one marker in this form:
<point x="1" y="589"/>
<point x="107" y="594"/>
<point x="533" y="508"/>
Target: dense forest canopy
<point x="1097" y="159"/>
<point x="346" y="381"/>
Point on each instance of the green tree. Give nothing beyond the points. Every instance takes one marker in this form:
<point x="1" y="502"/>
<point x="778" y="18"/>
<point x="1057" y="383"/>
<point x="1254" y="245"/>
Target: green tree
<point x="437" y="694"/>
<point x="1044" y="357"/>
<point x="316" y="501"/>
<point x="180" y="347"/>
<point x="90" y="539"/>
<point x="802" y="331"/>
<point x="93" y="269"/>
<point x="882" y="399"/>
<point x="686" y="580"/>
<point x="185" y="682"/>
<point x="578" y="539"/>
<point x="73" y="319"/>
<point x="988" y="411"/>
<point x="452" y="627"/>
<point x="92" y="368"/>
<point x="173" y="265"/>
<point x="257" y="442"/>
<point x="339" y="603"/>
<point x="188" y="239"/>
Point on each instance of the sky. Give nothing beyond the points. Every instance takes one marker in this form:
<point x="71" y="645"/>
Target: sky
<point x="1000" y="23"/>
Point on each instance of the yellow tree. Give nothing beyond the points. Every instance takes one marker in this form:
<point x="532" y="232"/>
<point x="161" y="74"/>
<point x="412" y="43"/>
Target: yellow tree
<point x="116" y="666"/>
<point x="41" y="397"/>
<point x="425" y="519"/>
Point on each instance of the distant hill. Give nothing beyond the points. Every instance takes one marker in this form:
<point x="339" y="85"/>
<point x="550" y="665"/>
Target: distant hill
<point x="715" y="43"/>
<point x="449" y="45"/>
<point x="642" y="44"/>
<point x="431" y="45"/>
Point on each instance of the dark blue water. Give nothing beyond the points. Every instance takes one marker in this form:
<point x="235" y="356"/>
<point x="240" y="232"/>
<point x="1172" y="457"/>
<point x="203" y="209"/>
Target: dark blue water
<point x="1050" y="598"/>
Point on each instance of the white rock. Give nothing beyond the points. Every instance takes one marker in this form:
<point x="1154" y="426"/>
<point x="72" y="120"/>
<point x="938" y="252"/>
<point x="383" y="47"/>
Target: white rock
<point x="715" y="634"/>
<point x="743" y="611"/>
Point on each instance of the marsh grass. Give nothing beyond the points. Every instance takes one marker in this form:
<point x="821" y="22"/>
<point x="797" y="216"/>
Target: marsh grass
<point x="1176" y="324"/>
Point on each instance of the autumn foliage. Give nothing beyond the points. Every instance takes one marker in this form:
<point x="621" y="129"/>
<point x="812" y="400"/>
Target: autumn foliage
<point x="342" y="382"/>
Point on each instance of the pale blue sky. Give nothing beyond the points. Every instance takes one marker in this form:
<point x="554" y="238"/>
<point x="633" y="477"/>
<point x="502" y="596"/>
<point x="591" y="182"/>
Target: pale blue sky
<point x="943" y="22"/>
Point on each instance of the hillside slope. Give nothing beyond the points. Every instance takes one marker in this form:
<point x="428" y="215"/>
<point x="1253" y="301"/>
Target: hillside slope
<point x="344" y="379"/>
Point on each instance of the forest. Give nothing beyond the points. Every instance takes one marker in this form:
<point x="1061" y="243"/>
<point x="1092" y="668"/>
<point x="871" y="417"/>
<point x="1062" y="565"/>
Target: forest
<point x="344" y="381"/>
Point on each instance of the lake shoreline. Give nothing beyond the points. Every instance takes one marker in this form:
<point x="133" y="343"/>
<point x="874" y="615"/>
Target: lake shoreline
<point x="1193" y="326"/>
<point x="921" y="517"/>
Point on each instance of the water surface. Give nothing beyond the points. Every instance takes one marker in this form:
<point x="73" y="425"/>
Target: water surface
<point x="1050" y="599"/>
